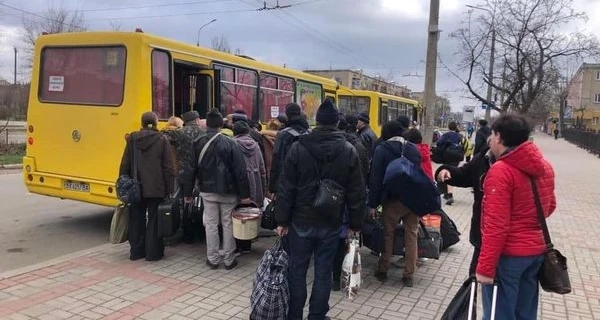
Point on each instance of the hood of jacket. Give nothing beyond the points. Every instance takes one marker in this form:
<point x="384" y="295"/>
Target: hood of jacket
<point x="395" y="145"/>
<point x="324" y="143"/>
<point x="145" y="138"/>
<point x="527" y="158"/>
<point x="248" y="146"/>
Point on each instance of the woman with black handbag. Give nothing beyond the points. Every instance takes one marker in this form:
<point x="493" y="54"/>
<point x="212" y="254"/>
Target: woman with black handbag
<point x="147" y="157"/>
<point x="513" y="245"/>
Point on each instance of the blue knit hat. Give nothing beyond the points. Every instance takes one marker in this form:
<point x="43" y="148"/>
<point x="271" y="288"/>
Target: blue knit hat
<point x="327" y="114"/>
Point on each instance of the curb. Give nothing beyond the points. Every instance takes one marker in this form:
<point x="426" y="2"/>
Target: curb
<point x="11" y="166"/>
<point x="55" y="261"/>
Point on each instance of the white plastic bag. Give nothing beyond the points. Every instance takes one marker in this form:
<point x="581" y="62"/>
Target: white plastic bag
<point x="351" y="268"/>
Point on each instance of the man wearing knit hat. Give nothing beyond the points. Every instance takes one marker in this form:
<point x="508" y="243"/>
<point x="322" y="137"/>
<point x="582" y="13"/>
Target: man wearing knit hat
<point x="365" y="131"/>
<point x="220" y="169"/>
<point x="322" y="155"/>
<point x="296" y="126"/>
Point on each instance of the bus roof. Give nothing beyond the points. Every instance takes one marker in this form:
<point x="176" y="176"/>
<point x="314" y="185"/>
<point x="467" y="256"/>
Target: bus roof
<point x="97" y="38"/>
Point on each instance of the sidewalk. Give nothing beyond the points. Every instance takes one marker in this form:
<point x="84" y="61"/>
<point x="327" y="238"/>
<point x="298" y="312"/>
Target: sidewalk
<point x="103" y="284"/>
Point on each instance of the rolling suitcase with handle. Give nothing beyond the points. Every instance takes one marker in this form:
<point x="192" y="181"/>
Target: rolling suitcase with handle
<point x="463" y="305"/>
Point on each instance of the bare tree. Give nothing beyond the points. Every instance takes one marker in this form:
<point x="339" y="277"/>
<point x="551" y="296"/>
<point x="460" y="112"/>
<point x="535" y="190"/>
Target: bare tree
<point x="531" y="39"/>
<point x="220" y="44"/>
<point x="116" y="25"/>
<point x="55" y="20"/>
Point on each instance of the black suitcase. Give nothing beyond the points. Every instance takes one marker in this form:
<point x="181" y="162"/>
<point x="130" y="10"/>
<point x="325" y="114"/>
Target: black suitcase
<point x="167" y="210"/>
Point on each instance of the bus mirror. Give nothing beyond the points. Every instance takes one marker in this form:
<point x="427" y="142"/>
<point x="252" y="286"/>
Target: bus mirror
<point x="139" y="30"/>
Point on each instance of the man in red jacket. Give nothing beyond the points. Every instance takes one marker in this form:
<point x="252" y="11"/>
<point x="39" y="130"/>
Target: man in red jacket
<point x="513" y="246"/>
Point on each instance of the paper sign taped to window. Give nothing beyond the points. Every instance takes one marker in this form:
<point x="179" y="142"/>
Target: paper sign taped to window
<point x="274" y="112"/>
<point x="56" y="83"/>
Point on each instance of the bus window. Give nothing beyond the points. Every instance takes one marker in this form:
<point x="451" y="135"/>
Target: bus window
<point x="383" y="112"/>
<point x="83" y="75"/>
<point x="354" y="105"/>
<point x="309" y="96"/>
<point x="275" y="94"/>
<point x="238" y="90"/>
<point x="161" y="84"/>
<point x="392" y="110"/>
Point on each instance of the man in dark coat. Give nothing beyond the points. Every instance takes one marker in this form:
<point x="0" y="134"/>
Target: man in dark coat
<point x="392" y="146"/>
<point x="296" y="126"/>
<point x="481" y="136"/>
<point x="155" y="173"/>
<point x="223" y="181"/>
<point x="470" y="175"/>
<point x="310" y="231"/>
<point x="365" y="132"/>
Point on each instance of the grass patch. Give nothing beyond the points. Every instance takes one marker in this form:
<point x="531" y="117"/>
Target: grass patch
<point x="12" y="153"/>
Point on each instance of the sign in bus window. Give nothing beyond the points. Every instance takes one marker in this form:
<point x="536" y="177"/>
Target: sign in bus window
<point x="82" y="75"/>
<point x="309" y="97"/>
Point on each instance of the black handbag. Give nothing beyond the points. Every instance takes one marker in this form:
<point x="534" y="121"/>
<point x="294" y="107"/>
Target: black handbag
<point x="553" y="276"/>
<point x="129" y="189"/>
<point x="268" y="218"/>
<point x="329" y="197"/>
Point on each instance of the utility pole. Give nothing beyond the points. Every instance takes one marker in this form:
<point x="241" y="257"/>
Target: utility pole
<point x="430" y="70"/>
<point x="15" y="78"/>
<point x="488" y="109"/>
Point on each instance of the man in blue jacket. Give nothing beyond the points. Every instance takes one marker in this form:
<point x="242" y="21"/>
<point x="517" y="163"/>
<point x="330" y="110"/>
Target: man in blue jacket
<point x="392" y="146"/>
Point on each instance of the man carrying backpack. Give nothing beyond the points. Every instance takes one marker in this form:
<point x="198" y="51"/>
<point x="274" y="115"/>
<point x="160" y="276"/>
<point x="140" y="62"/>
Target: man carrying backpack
<point x="391" y="147"/>
<point x="296" y="126"/>
<point x="308" y="214"/>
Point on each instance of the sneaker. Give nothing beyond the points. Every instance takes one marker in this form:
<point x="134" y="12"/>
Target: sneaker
<point x="232" y="265"/>
<point x="450" y="200"/>
<point x="381" y="276"/>
<point x="336" y="286"/>
<point x="211" y="265"/>
<point x="408" y="282"/>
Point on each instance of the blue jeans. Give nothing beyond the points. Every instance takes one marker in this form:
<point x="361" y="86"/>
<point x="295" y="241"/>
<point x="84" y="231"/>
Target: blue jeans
<point x="302" y="244"/>
<point x="518" y="289"/>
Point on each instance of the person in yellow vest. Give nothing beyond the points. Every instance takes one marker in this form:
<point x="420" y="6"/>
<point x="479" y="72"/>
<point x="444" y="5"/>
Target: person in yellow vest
<point x="469" y="147"/>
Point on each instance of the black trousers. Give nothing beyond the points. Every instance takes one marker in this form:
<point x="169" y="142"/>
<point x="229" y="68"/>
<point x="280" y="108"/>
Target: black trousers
<point x="142" y="234"/>
<point x="339" y="259"/>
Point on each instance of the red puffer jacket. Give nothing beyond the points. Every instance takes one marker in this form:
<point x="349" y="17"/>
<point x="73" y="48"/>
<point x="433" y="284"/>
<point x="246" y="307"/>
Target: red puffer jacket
<point x="509" y="223"/>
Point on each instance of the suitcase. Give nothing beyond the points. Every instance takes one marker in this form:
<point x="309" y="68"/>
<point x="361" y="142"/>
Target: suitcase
<point x="428" y="243"/>
<point x="472" y="301"/>
<point x="167" y="210"/>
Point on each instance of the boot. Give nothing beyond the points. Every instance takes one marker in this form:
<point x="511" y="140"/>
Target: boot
<point x="449" y="199"/>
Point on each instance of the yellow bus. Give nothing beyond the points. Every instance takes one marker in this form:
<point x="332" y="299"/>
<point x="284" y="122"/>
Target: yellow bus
<point x="380" y="107"/>
<point x="88" y="90"/>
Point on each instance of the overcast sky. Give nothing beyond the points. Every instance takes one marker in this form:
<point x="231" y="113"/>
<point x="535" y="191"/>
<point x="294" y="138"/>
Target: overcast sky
<point x="383" y="37"/>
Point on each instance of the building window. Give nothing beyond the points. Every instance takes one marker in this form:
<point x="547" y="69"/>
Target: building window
<point x="597" y="98"/>
<point x="355" y="83"/>
<point x="597" y="75"/>
<point x="595" y="121"/>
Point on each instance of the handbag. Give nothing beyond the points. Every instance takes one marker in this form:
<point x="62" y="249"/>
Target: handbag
<point x="330" y="194"/>
<point x="270" y="298"/>
<point x="119" y="225"/>
<point x="129" y="189"/>
<point x="553" y="276"/>
<point x="268" y="218"/>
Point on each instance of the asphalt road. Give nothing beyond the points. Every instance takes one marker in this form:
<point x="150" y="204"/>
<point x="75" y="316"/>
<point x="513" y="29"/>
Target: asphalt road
<point x="36" y="228"/>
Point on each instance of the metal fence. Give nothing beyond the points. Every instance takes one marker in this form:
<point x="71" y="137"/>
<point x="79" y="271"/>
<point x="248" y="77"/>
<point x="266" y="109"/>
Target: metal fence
<point x="588" y="140"/>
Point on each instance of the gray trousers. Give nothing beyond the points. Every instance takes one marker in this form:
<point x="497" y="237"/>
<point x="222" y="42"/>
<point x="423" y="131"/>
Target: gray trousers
<point x="217" y="208"/>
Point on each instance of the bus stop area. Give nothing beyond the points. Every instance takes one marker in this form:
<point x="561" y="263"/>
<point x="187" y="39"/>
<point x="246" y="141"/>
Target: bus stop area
<point x="101" y="283"/>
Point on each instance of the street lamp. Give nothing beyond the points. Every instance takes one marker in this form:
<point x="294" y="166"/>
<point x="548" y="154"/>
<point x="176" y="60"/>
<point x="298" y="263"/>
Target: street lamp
<point x="200" y="29"/>
<point x="488" y="108"/>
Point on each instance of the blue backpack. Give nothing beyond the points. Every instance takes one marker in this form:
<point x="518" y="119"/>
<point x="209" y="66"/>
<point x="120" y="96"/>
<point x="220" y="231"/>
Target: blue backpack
<point x="406" y="182"/>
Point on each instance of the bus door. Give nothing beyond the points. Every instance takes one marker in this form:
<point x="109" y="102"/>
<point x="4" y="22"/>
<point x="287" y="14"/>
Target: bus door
<point x="201" y="90"/>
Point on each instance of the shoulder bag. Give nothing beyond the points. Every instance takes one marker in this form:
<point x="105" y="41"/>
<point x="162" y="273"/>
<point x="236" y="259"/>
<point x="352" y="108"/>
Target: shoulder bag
<point x="553" y="276"/>
<point x="128" y="187"/>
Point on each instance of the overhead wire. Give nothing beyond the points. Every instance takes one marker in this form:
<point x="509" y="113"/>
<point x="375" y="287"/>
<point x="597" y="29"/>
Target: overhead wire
<point x="173" y="15"/>
<point x="155" y="5"/>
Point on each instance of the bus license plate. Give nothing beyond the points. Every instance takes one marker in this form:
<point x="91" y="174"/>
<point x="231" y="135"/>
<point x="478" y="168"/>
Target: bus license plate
<point x="77" y="186"/>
